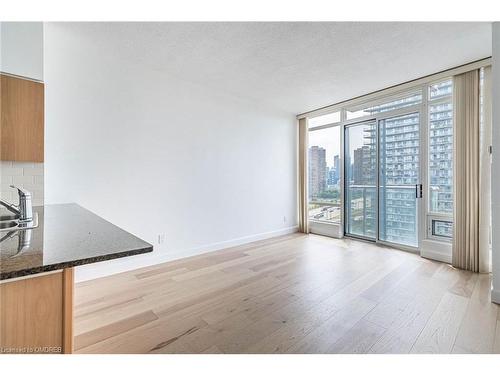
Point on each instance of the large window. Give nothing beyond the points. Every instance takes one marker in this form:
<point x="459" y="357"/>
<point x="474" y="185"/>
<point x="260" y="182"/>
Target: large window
<point x="382" y="166"/>
<point x="441" y="158"/>
<point x="324" y="175"/>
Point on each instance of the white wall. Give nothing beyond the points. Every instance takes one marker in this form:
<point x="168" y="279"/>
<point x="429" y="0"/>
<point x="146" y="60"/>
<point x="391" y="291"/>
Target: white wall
<point x="495" y="167"/>
<point x="156" y="154"/>
<point x="22" y="49"/>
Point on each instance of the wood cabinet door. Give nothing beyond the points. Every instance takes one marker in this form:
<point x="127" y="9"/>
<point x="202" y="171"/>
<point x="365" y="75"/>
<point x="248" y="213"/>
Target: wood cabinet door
<point x="22" y="119"/>
<point x="36" y="314"/>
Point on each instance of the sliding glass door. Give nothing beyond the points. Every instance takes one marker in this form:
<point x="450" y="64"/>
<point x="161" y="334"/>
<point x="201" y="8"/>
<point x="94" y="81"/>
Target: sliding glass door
<point x="382" y="179"/>
<point x="361" y="180"/>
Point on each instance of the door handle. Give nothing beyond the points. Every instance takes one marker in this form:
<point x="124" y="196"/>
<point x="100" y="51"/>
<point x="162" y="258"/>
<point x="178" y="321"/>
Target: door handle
<point x="419" y="193"/>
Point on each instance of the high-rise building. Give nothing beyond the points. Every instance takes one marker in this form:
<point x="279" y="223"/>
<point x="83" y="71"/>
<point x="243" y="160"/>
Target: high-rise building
<point x="399" y="173"/>
<point x="362" y="193"/>
<point x="357" y="167"/>
<point x="336" y="168"/>
<point x="333" y="176"/>
<point x="441" y="152"/>
<point x="317" y="170"/>
<point x="364" y="165"/>
<point x="441" y="156"/>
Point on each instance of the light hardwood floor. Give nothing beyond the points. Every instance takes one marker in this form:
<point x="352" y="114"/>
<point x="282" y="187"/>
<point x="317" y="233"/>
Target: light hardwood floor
<point x="292" y="294"/>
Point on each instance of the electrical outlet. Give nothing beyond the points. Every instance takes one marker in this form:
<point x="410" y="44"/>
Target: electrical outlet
<point x="161" y="238"/>
<point x="284" y="219"/>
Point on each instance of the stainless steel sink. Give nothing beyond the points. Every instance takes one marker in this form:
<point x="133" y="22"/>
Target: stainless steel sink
<point x="13" y="223"/>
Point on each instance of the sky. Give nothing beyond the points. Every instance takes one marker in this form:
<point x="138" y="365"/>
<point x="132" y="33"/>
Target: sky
<point x="329" y="139"/>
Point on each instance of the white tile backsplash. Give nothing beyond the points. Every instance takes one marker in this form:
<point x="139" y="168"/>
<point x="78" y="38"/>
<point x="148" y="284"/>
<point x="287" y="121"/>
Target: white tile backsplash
<point x="24" y="174"/>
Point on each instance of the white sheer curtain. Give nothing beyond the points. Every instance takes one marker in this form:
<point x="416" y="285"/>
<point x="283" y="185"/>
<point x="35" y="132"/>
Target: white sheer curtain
<point x="465" y="253"/>
<point x="302" y="191"/>
<point x="467" y="173"/>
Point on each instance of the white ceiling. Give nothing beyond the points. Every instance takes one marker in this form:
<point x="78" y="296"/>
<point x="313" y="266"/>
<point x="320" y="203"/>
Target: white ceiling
<point x="295" y="66"/>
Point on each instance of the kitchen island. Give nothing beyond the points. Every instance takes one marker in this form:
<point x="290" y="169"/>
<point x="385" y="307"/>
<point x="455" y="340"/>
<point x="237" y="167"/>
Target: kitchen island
<point x="36" y="274"/>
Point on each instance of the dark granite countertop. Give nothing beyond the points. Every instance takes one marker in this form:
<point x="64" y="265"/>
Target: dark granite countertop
<point x="67" y="235"/>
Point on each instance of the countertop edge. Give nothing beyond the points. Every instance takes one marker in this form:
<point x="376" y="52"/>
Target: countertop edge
<point x="74" y="263"/>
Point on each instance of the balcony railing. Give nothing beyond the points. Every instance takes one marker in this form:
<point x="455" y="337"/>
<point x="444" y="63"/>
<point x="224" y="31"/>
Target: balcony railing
<point x="361" y="207"/>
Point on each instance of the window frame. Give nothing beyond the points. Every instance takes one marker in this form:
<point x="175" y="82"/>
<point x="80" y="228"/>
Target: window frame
<point x="433" y="247"/>
<point x="340" y="222"/>
<point x="431" y="216"/>
<point x="430" y="227"/>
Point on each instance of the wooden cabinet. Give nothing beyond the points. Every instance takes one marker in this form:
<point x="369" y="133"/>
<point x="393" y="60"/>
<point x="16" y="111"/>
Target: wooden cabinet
<point x="22" y="119"/>
<point x="36" y="314"/>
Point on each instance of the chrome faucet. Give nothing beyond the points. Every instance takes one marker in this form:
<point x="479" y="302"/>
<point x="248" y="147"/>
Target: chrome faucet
<point x="24" y="209"/>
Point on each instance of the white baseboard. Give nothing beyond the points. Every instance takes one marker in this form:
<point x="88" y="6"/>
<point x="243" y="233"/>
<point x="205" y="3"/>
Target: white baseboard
<point x="436" y="250"/>
<point x="102" y="269"/>
<point x="235" y="242"/>
<point x="435" y="255"/>
<point x="495" y="296"/>
<point x="326" y="229"/>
